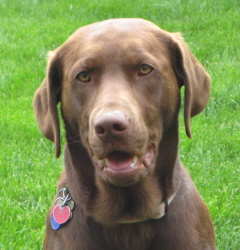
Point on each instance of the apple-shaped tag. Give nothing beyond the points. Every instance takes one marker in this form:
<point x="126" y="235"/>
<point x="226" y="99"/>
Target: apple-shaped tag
<point x="61" y="214"/>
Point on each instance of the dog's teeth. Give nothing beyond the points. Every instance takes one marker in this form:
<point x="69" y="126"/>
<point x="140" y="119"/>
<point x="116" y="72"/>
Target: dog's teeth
<point x="135" y="159"/>
<point x="106" y="162"/>
<point x="133" y="162"/>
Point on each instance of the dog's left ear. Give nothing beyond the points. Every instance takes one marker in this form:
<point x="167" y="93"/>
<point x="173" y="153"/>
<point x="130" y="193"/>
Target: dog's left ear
<point x="193" y="76"/>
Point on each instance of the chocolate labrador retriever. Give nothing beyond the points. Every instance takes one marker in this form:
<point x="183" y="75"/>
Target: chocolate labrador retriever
<point x="123" y="187"/>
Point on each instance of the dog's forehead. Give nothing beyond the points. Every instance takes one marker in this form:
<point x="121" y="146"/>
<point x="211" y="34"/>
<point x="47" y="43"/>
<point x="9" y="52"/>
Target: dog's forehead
<point x="117" y="26"/>
<point x="115" y="31"/>
<point x="116" y="36"/>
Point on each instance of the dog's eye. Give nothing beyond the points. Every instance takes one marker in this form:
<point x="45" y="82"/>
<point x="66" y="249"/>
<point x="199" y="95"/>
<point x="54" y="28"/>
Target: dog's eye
<point x="145" y="70"/>
<point x="83" y="76"/>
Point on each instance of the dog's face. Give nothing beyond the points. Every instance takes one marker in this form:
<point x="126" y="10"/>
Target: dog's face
<point x="120" y="82"/>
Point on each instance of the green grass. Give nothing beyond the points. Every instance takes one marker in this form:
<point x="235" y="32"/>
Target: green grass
<point x="29" y="171"/>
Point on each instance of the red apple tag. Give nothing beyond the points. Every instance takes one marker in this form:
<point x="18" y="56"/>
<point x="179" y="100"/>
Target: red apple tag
<point x="61" y="214"/>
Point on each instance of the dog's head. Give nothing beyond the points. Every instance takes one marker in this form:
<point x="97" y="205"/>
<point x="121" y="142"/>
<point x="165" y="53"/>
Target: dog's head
<point x="119" y="83"/>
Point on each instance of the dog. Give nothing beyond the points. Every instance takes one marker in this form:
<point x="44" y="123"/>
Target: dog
<point x="123" y="187"/>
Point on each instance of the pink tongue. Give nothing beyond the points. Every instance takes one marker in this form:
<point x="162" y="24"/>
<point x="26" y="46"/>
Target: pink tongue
<point x="119" y="160"/>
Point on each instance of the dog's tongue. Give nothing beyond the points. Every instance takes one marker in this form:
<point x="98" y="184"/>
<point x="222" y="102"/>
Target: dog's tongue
<point x="119" y="160"/>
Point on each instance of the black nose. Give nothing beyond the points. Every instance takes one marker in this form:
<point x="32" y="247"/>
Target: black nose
<point x="111" y="124"/>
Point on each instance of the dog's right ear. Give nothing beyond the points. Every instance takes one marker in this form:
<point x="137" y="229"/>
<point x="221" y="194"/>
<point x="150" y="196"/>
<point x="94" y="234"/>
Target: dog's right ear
<point x="194" y="77"/>
<point x="45" y="102"/>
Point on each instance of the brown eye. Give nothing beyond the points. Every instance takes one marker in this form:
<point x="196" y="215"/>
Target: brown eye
<point x="83" y="76"/>
<point x="145" y="70"/>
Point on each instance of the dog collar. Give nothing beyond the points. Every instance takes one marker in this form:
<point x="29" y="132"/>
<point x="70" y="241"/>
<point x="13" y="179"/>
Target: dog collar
<point x="62" y="211"/>
<point x="131" y="219"/>
<point x="161" y="212"/>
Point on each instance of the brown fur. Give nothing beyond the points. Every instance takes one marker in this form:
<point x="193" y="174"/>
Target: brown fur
<point x="113" y="52"/>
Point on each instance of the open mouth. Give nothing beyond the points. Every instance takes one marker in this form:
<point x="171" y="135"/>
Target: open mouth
<point x="118" y="160"/>
<point x="121" y="164"/>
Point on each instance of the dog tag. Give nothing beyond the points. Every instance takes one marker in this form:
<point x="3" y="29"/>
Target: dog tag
<point x="54" y="224"/>
<point x="71" y="204"/>
<point x="61" y="214"/>
<point x="59" y="201"/>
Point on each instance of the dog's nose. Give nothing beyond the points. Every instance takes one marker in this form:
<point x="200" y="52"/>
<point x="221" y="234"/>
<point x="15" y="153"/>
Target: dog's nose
<point x="111" y="124"/>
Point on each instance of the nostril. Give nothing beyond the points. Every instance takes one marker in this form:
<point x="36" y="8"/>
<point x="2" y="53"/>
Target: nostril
<point x="119" y="127"/>
<point x="99" y="130"/>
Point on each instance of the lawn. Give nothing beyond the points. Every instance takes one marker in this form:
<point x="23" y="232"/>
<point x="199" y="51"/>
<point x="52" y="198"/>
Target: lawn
<point x="29" y="170"/>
